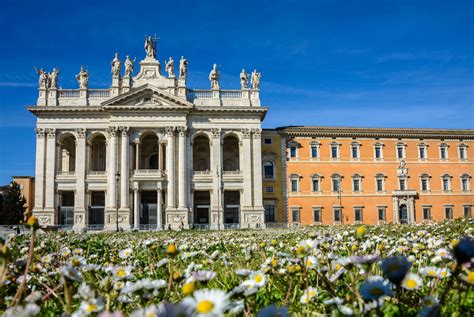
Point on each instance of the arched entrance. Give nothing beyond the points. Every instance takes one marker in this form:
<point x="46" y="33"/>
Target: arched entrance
<point x="403" y="213"/>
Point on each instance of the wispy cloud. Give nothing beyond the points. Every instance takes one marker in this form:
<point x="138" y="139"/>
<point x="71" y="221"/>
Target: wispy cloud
<point x="17" y="84"/>
<point x="410" y="56"/>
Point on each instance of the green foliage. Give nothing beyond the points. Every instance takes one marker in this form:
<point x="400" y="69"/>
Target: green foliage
<point x="13" y="206"/>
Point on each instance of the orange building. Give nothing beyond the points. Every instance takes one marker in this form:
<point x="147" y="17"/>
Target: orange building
<point x="335" y="175"/>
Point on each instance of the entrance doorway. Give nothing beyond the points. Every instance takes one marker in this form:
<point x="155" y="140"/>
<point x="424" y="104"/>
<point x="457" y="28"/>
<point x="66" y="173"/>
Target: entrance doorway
<point x="66" y="209"/>
<point x="403" y="213"/>
<point x="231" y="208"/>
<point x="202" y="202"/>
<point x="148" y="210"/>
<point x="96" y="210"/>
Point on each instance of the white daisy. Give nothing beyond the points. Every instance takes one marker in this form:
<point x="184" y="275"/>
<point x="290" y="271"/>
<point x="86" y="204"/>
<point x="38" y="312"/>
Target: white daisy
<point x="125" y="253"/>
<point x="207" y="302"/>
<point x="412" y="281"/>
<point x="308" y="295"/>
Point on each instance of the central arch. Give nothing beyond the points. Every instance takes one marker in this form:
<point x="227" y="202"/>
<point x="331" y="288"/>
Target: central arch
<point x="403" y="213"/>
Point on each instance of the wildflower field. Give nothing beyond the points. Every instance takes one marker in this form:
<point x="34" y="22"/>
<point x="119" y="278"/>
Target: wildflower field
<point x="393" y="270"/>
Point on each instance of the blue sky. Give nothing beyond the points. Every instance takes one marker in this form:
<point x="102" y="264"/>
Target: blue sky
<point x="338" y="63"/>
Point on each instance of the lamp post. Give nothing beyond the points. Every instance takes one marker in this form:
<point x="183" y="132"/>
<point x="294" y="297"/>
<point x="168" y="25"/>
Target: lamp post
<point x="117" y="177"/>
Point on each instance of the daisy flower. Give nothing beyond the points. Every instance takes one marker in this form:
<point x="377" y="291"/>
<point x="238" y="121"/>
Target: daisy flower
<point x="412" y="282"/>
<point x="308" y="295"/>
<point x="207" y="302"/>
<point x="121" y="272"/>
<point x="311" y="262"/>
<point x="125" y="253"/>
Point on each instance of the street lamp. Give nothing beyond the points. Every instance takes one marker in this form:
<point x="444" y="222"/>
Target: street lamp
<point x="117" y="177"/>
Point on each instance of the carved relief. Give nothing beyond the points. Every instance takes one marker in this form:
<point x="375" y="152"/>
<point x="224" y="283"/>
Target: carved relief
<point x="45" y="220"/>
<point x="40" y="133"/>
<point x="79" y="219"/>
<point x="257" y="133"/>
<point x="216" y="132"/>
<point x="169" y="131"/>
<point x="112" y="131"/>
<point x="246" y="133"/>
<point x="253" y="218"/>
<point x="176" y="218"/>
<point x="51" y="132"/>
<point x="181" y="130"/>
<point x="124" y="130"/>
<point x="81" y="133"/>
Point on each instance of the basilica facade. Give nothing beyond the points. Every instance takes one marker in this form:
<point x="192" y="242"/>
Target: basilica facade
<point x="152" y="153"/>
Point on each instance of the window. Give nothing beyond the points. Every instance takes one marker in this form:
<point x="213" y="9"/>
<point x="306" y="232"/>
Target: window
<point x="336" y="183"/>
<point x="317" y="214"/>
<point x="314" y="150"/>
<point x="443" y="151"/>
<point x="267" y="141"/>
<point x="269" y="213"/>
<point x="295" y="183"/>
<point x="448" y="212"/>
<point x="316" y="183"/>
<point x="356" y="183"/>
<point x="462" y="149"/>
<point x="381" y="213"/>
<point x="467" y="211"/>
<point x="269" y="189"/>
<point x="358" y="214"/>
<point x="400" y="151"/>
<point x="446" y="182"/>
<point x="378" y="154"/>
<point x="422" y="155"/>
<point x="424" y="182"/>
<point x="380" y="182"/>
<point x="268" y="170"/>
<point x="355" y="153"/>
<point x="337" y="214"/>
<point x="334" y="150"/>
<point x="295" y="212"/>
<point x="402" y="184"/>
<point x="426" y="213"/>
<point x="465" y="186"/>
<point x="293" y="151"/>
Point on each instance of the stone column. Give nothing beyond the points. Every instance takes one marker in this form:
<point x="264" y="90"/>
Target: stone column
<point x="111" y="182"/>
<point x="159" y="207"/>
<point x="124" y="172"/>
<point x="160" y="157"/>
<point x="170" y="168"/>
<point x="39" y="171"/>
<point x="137" y="154"/>
<point x="50" y="188"/>
<point x="257" y="177"/>
<point x="217" y="215"/>
<point x="182" y="183"/>
<point x="247" y="170"/>
<point x="80" y="211"/>
<point x="136" y="206"/>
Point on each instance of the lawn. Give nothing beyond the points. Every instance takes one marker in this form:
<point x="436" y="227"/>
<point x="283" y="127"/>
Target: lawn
<point x="392" y="270"/>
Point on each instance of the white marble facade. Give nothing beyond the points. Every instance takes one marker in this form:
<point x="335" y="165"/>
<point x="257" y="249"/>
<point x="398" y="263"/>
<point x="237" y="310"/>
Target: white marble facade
<point x="150" y="150"/>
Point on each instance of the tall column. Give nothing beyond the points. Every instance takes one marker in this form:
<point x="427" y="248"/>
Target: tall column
<point x="159" y="207"/>
<point x="124" y="167"/>
<point x="112" y="169"/>
<point x="137" y="154"/>
<point x="182" y="183"/>
<point x="39" y="170"/>
<point x="160" y="157"/>
<point x="170" y="168"/>
<point x="50" y="174"/>
<point x="257" y="169"/>
<point x="136" y="206"/>
<point x="217" y="216"/>
<point x="247" y="169"/>
<point x="79" y="203"/>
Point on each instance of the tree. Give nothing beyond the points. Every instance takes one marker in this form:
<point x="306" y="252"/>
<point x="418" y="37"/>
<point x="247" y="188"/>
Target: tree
<point x="13" y="206"/>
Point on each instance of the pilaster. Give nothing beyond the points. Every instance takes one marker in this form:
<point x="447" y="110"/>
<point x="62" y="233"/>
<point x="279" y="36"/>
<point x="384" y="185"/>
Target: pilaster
<point x="217" y="214"/>
<point x="182" y="183"/>
<point x="124" y="171"/>
<point x="136" y="206"/>
<point x="53" y="97"/>
<point x="247" y="170"/>
<point x="257" y="178"/>
<point x="40" y="171"/>
<point x="50" y="186"/>
<point x="80" y="211"/>
<point x="110" y="210"/>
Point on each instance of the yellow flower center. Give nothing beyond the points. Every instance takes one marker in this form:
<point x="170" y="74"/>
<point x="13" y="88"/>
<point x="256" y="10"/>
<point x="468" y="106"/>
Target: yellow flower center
<point x="309" y="263"/>
<point x="204" y="306"/>
<point x="91" y="308"/>
<point x="432" y="273"/>
<point x="121" y="273"/>
<point x="470" y="277"/>
<point x="311" y="293"/>
<point x="411" y="284"/>
<point x="258" y="278"/>
<point x="443" y="273"/>
<point x="338" y="266"/>
<point x="300" y="249"/>
<point x="188" y="288"/>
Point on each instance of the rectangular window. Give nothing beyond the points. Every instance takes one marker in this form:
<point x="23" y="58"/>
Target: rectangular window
<point x="294" y="185"/>
<point x="269" y="213"/>
<point x="358" y="214"/>
<point x="379" y="184"/>
<point x="378" y="152"/>
<point x="316" y="187"/>
<point x="267" y="141"/>
<point x="293" y="151"/>
<point x="443" y="153"/>
<point x="426" y="213"/>
<point x="464" y="184"/>
<point x="355" y="151"/>
<point x="334" y="151"/>
<point x="445" y="184"/>
<point x="295" y="212"/>
<point x="317" y="215"/>
<point x="424" y="184"/>
<point x="422" y="151"/>
<point x="337" y="214"/>
<point x="269" y="189"/>
<point x="268" y="170"/>
<point x="448" y="212"/>
<point x="403" y="184"/>
<point x="400" y="152"/>
<point x="467" y="211"/>
<point x="335" y="184"/>
<point x="462" y="153"/>
<point x="356" y="184"/>
<point x="381" y="213"/>
<point x="314" y="151"/>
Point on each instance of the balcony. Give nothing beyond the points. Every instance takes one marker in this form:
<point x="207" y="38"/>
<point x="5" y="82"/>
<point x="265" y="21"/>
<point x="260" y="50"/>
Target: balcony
<point x="66" y="175"/>
<point x="148" y="174"/>
<point x="232" y="176"/>
<point x="96" y="175"/>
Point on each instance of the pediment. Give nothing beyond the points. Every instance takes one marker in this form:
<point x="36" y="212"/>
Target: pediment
<point x="147" y="96"/>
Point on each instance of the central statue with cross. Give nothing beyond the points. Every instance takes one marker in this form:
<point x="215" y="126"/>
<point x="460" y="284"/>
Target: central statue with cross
<point x="150" y="46"/>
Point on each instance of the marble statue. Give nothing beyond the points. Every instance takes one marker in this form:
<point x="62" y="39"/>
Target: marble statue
<point x="53" y="78"/>
<point x="256" y="79"/>
<point x="116" y="64"/>
<point x="403" y="164"/>
<point x="43" y="79"/>
<point x="244" y="79"/>
<point x="183" y="67"/>
<point x="170" y="67"/>
<point x="129" y="63"/>
<point x="83" y="78"/>
<point x="214" y="77"/>
<point x="150" y="47"/>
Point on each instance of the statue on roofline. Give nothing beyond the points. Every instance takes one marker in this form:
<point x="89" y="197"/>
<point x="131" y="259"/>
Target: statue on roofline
<point x="116" y="64"/>
<point x="256" y="79"/>
<point x="244" y="79"/>
<point x="170" y="67"/>
<point x="53" y="78"/>
<point x="150" y="47"/>
<point x="183" y="67"/>
<point x="214" y="77"/>
<point x="83" y="78"/>
<point x="43" y="79"/>
<point x="129" y="64"/>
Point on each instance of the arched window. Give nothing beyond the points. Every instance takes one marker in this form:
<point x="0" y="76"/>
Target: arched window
<point x="268" y="170"/>
<point x="68" y="154"/>
<point x="201" y="153"/>
<point x="231" y="153"/>
<point x="149" y="152"/>
<point x="98" y="153"/>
